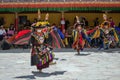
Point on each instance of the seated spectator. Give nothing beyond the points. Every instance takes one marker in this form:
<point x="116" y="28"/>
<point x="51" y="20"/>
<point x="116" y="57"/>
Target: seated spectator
<point x="2" y="32"/>
<point x="11" y="30"/>
<point x="96" y="22"/>
<point x="69" y="36"/>
<point x="112" y="24"/>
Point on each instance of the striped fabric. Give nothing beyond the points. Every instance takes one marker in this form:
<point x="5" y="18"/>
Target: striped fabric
<point x="23" y="40"/>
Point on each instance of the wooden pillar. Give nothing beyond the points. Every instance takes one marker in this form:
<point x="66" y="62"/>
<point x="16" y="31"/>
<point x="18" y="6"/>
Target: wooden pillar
<point x="62" y="22"/>
<point x="16" y="21"/>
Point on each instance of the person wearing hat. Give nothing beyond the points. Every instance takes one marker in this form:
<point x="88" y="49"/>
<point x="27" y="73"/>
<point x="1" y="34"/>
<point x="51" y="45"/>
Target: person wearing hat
<point x="110" y="35"/>
<point x="80" y="36"/>
<point x="43" y="37"/>
<point x="41" y="53"/>
<point x="107" y="36"/>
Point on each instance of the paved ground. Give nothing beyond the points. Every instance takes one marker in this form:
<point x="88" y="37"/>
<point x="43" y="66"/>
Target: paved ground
<point x="93" y="65"/>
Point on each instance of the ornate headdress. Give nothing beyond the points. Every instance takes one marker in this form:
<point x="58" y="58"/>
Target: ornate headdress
<point x="40" y="23"/>
<point x="106" y="22"/>
<point x="78" y="23"/>
<point x="105" y="17"/>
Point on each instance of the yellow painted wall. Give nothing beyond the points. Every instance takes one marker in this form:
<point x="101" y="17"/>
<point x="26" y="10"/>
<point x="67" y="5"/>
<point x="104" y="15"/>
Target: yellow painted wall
<point x="55" y="17"/>
<point x="9" y="18"/>
<point x="91" y="16"/>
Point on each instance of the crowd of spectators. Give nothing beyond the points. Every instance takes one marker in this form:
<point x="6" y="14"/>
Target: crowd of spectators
<point x="68" y="40"/>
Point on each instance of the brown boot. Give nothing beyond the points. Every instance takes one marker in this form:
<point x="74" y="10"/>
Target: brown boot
<point x="78" y="52"/>
<point x="40" y="70"/>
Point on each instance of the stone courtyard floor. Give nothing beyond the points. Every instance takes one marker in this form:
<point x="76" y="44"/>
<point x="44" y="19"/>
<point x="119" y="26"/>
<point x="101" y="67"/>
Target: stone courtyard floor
<point x="91" y="65"/>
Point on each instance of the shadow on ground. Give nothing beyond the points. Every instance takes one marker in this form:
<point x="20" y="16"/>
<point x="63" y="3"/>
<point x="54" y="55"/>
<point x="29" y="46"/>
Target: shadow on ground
<point x="82" y="54"/>
<point x="19" y="50"/>
<point x="27" y="77"/>
<point x="41" y="74"/>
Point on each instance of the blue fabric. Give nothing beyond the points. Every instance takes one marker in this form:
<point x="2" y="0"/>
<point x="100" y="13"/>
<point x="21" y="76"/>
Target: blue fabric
<point x="86" y="37"/>
<point x="59" y="32"/>
<point x="117" y="28"/>
<point x="118" y="32"/>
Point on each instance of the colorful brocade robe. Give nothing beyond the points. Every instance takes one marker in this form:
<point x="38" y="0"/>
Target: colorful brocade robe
<point x="43" y="43"/>
<point x="80" y="38"/>
<point x="107" y="34"/>
<point x="41" y="54"/>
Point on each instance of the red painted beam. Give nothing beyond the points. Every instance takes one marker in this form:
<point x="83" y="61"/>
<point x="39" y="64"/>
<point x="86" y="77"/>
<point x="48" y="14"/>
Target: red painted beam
<point x="55" y="5"/>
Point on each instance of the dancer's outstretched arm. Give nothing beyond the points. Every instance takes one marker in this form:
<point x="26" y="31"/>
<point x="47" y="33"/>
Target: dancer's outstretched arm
<point x="91" y="31"/>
